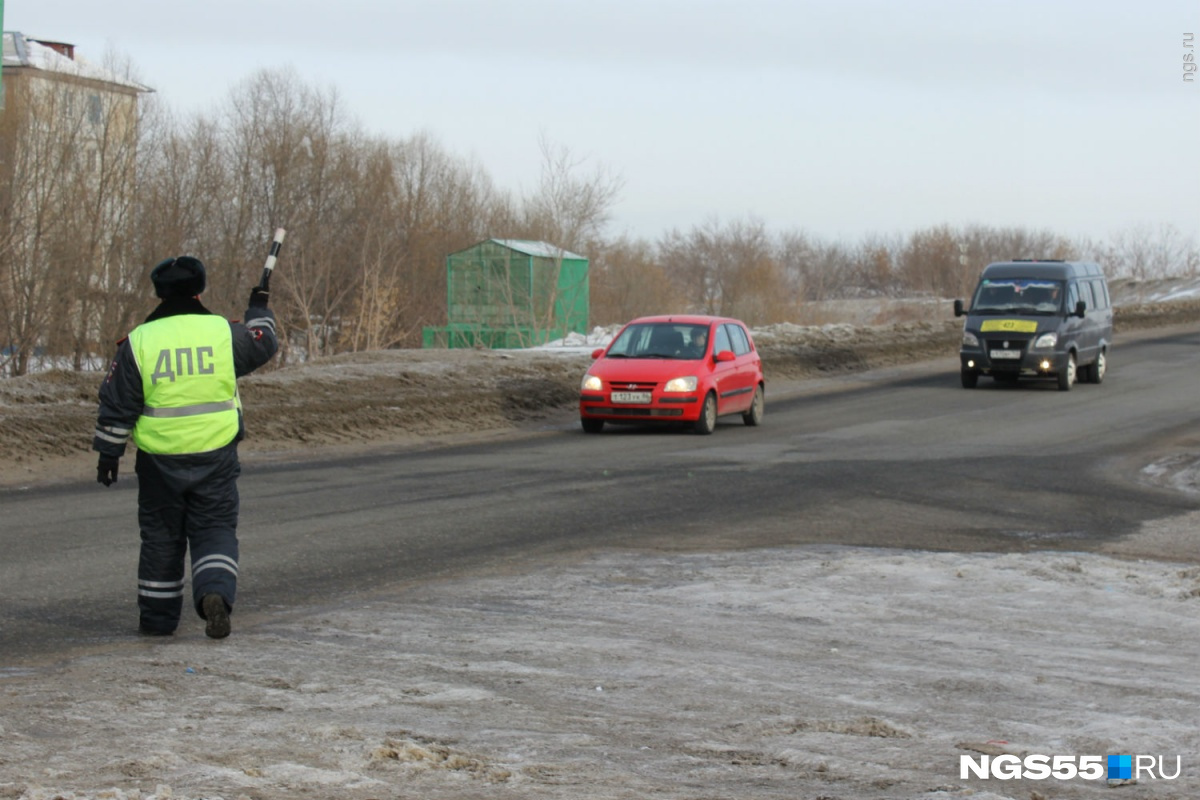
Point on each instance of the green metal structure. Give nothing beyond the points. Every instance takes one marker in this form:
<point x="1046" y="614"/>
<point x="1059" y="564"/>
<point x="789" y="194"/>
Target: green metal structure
<point x="512" y="293"/>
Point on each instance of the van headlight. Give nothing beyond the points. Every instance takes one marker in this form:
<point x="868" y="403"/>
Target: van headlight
<point x="591" y="384"/>
<point x="1046" y="341"/>
<point x="969" y="340"/>
<point x="686" y="384"/>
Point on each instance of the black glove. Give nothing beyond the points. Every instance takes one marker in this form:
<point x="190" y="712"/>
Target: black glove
<point x="259" y="297"/>
<point x="106" y="472"/>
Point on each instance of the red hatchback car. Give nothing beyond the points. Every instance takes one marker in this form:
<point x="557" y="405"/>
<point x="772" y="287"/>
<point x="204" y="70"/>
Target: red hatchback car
<point x="674" y="369"/>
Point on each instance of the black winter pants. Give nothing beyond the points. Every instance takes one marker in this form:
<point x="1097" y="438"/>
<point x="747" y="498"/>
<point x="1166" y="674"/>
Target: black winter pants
<point x="186" y="501"/>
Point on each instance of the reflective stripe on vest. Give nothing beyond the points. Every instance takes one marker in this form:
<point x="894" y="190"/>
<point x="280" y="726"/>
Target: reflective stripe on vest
<point x="189" y="385"/>
<point x="189" y="411"/>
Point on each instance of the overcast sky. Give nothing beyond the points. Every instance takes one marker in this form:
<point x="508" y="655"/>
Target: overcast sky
<point x="838" y="118"/>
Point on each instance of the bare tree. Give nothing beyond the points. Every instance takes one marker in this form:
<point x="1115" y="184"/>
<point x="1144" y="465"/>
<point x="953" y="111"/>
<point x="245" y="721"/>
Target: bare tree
<point x="568" y="210"/>
<point x="1143" y="252"/>
<point x="756" y="291"/>
<point x="729" y="270"/>
<point x="945" y="261"/>
<point x="184" y="188"/>
<point x="930" y="262"/>
<point x="69" y="143"/>
<point x="292" y="164"/>
<point x="985" y="245"/>
<point x="693" y="262"/>
<point x="815" y="270"/>
<point x="443" y="205"/>
<point x="874" y="269"/>
<point x="37" y="165"/>
<point x="627" y="282"/>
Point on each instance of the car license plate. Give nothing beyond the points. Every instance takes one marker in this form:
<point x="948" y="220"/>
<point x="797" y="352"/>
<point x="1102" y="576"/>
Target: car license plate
<point x="1003" y="354"/>
<point x="631" y="397"/>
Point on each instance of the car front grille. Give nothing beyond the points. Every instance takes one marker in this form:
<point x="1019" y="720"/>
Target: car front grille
<point x="1006" y="343"/>
<point x="632" y="386"/>
<point x="1010" y="343"/>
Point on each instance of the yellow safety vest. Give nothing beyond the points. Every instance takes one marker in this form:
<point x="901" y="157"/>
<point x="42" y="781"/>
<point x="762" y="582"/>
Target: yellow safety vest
<point x="189" y="384"/>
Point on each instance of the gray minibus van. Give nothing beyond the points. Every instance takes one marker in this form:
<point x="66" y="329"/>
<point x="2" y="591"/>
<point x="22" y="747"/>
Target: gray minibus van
<point x="1037" y="319"/>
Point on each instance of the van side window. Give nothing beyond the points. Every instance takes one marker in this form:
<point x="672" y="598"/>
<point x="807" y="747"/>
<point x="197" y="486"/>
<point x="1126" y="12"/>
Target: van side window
<point x="1101" y="293"/>
<point x="1085" y="294"/>
<point x="1072" y="296"/>
<point x="721" y="342"/>
<point x="741" y="344"/>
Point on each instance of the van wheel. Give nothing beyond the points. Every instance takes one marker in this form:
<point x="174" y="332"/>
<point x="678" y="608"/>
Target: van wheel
<point x="970" y="378"/>
<point x="1095" y="373"/>
<point x="755" y="414"/>
<point x="591" y="425"/>
<point x="706" y="423"/>
<point x="1066" y="375"/>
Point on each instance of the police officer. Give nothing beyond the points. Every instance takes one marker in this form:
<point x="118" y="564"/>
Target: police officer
<point x="172" y="388"/>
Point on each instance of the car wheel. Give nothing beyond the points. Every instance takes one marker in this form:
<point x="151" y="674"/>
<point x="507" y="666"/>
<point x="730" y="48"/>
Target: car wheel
<point x="755" y="414"/>
<point x="970" y="378"/>
<point x="706" y="423"/>
<point x="1066" y="375"/>
<point x="591" y="425"/>
<point x="1095" y="373"/>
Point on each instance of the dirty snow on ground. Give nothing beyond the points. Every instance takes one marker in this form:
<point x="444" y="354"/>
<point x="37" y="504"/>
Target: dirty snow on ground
<point x="1158" y="291"/>
<point x="809" y="672"/>
<point x="1180" y="471"/>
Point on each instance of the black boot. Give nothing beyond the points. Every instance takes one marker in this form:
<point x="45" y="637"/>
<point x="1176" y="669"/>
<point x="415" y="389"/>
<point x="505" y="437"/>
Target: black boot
<point x="217" y="615"/>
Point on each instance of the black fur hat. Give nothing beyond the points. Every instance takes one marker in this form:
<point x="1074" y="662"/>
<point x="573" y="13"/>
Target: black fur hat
<point x="178" y="277"/>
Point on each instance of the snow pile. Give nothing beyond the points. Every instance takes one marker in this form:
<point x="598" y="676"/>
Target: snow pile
<point x="1180" y="472"/>
<point x="573" y="342"/>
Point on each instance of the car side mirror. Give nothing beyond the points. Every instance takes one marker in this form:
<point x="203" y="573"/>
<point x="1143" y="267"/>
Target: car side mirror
<point x="599" y="351"/>
<point x="725" y="355"/>
<point x="958" y="308"/>
<point x="1081" y="309"/>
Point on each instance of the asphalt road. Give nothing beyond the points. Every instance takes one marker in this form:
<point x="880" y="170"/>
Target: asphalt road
<point x="899" y="458"/>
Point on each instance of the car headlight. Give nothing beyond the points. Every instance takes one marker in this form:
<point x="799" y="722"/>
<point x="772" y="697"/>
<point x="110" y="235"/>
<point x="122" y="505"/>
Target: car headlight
<point x="591" y="384"/>
<point x="686" y="384"/>
<point x="969" y="339"/>
<point x="1046" y="341"/>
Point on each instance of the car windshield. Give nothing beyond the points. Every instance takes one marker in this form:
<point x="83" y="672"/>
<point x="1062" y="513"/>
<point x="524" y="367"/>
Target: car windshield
<point x="661" y="340"/>
<point x="1018" y="296"/>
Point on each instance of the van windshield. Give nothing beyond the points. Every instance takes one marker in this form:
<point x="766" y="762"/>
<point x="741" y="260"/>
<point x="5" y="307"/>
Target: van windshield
<point x="1028" y="296"/>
